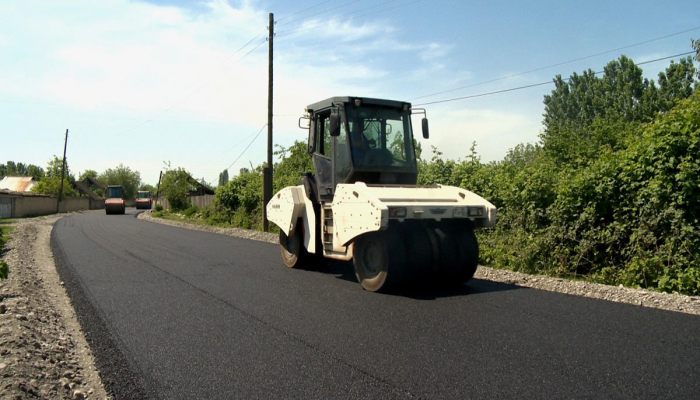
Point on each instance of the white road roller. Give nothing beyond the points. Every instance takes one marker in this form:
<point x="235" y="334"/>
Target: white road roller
<point x="363" y="203"/>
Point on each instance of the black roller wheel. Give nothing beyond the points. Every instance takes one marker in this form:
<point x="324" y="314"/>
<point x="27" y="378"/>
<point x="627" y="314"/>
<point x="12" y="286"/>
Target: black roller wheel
<point x="292" y="248"/>
<point x="419" y="253"/>
<point x="459" y="254"/>
<point x="468" y="253"/>
<point x="379" y="260"/>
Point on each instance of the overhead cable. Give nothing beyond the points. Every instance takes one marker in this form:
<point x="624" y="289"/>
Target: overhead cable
<point x="557" y="64"/>
<point x="536" y="84"/>
<point x="246" y="149"/>
<point x="199" y="88"/>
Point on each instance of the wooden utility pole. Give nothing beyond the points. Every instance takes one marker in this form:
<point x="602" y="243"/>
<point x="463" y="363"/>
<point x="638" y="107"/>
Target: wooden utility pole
<point x="267" y="173"/>
<point x="158" y="190"/>
<point x="63" y="172"/>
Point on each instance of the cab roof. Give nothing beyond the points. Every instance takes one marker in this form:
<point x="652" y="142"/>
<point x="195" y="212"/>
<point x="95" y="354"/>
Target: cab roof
<point x="350" y="99"/>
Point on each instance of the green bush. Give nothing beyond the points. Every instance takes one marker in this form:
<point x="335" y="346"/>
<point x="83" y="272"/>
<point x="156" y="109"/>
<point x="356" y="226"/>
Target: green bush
<point x="4" y="270"/>
<point x="158" y="207"/>
<point x="190" y="212"/>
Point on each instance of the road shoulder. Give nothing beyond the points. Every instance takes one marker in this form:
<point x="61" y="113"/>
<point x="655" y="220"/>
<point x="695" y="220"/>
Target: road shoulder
<point x="44" y="352"/>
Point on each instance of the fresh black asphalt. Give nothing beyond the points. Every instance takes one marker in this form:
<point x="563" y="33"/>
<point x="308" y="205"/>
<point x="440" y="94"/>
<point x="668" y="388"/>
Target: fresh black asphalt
<point x="177" y="313"/>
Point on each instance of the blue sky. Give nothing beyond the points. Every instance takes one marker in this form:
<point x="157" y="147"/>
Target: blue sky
<point x="147" y="82"/>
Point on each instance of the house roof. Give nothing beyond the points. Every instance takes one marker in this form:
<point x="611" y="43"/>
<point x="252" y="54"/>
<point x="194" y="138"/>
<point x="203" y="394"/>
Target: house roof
<point x="17" y="183"/>
<point x="12" y="193"/>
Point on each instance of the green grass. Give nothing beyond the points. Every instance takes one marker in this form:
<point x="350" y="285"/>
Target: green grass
<point x="4" y="221"/>
<point x="5" y="235"/>
<point x="4" y="270"/>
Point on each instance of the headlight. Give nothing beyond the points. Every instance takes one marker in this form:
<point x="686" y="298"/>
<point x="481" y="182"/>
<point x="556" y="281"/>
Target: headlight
<point x="476" y="211"/>
<point x="459" y="212"/>
<point x="397" y="212"/>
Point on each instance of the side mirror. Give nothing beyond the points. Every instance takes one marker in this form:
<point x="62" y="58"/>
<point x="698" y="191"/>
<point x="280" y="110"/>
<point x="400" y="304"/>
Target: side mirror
<point x="312" y="137"/>
<point x="334" y="123"/>
<point x="424" y="125"/>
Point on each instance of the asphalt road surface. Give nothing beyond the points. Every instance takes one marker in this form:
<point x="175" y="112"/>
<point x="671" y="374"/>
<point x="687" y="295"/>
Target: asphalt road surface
<point x="177" y="313"/>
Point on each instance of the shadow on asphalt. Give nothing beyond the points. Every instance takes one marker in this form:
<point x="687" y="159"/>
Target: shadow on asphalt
<point x="344" y="270"/>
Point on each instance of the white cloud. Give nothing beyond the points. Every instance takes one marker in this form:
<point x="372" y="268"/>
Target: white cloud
<point x="110" y="66"/>
<point x="494" y="131"/>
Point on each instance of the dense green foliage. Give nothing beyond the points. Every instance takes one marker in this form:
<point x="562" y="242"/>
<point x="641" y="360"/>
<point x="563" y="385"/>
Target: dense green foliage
<point x="175" y="186"/>
<point x="4" y="237"/>
<point x="50" y="184"/>
<point x="223" y="178"/>
<point x="12" y="168"/>
<point x="239" y="201"/>
<point x="123" y="176"/>
<point x="612" y="191"/>
<point x="148" y="188"/>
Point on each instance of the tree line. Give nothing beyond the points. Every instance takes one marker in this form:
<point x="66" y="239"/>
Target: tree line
<point x="49" y="179"/>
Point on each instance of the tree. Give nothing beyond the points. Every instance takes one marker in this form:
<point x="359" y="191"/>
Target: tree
<point x="294" y="160"/>
<point x="35" y="172"/>
<point x="88" y="173"/>
<point x="580" y="113"/>
<point x="676" y="83"/>
<point x="175" y="186"/>
<point x="223" y="178"/>
<point x="147" y="188"/>
<point x="19" y="169"/>
<point x="50" y="184"/>
<point x="54" y="169"/>
<point x="124" y="176"/>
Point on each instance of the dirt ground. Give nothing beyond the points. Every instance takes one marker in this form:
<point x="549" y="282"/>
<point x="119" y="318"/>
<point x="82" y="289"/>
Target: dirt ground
<point x="43" y="353"/>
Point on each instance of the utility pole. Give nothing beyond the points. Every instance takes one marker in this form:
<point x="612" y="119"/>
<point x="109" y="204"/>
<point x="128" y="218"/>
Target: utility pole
<point x="267" y="172"/>
<point x="63" y="171"/>
<point x="158" y="190"/>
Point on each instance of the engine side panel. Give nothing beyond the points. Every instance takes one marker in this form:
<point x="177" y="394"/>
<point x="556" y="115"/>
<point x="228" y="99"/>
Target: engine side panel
<point x="356" y="211"/>
<point x="359" y="208"/>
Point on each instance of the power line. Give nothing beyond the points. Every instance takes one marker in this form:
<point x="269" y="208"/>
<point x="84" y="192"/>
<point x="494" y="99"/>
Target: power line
<point x="306" y="9"/>
<point x="536" y="84"/>
<point x="246" y="149"/>
<point x="557" y="65"/>
<point x="202" y="86"/>
<point x="323" y="12"/>
<point x="229" y="149"/>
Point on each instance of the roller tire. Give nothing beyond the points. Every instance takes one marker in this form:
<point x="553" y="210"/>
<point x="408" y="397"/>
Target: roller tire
<point x="379" y="260"/>
<point x="459" y="254"/>
<point x="292" y="250"/>
<point x="468" y="254"/>
<point x="419" y="254"/>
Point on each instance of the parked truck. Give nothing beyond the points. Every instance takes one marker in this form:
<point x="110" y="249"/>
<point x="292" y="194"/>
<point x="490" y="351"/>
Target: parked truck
<point x="363" y="202"/>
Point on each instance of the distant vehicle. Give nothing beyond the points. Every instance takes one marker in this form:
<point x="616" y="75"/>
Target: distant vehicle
<point x="143" y="200"/>
<point x="114" y="200"/>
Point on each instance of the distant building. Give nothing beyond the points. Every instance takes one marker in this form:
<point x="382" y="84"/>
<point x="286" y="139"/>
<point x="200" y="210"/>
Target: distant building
<point x="17" y="183"/>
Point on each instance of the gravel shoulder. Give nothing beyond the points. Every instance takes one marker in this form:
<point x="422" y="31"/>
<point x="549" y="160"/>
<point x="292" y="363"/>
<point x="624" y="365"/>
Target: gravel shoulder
<point x="43" y="351"/>
<point x="640" y="297"/>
